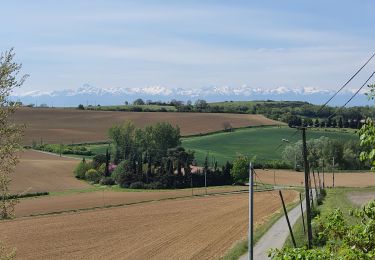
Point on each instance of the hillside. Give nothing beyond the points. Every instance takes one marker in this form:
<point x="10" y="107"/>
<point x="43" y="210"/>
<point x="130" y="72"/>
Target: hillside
<point x="49" y="125"/>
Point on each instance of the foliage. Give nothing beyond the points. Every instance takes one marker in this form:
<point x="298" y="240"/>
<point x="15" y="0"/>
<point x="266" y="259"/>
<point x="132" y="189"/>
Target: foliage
<point x="81" y="169"/>
<point x="5" y="253"/>
<point x="345" y="152"/>
<point x="338" y="239"/>
<point x="367" y="142"/>
<point x="63" y="149"/>
<point x="123" y="174"/>
<point x="155" y="186"/>
<point x="98" y="160"/>
<point x="93" y="175"/>
<point x="138" y="101"/>
<point x="10" y="133"/>
<point x="137" y="185"/>
<point x="107" y="181"/>
<point x="259" y="141"/>
<point x="101" y="169"/>
<point x="240" y="170"/>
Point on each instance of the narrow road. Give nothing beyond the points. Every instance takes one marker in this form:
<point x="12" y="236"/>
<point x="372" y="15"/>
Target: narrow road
<point x="276" y="236"/>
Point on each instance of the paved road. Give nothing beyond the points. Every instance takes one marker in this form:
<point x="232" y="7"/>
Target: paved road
<point x="276" y="236"/>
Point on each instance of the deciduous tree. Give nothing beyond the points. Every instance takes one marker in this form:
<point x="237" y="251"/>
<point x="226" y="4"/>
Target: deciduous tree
<point x="10" y="133"/>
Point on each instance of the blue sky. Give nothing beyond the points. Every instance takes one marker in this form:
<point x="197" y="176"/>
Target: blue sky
<point x="189" y="44"/>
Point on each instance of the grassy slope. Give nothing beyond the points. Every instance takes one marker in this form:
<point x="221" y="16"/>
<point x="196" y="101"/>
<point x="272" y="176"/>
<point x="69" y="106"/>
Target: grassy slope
<point x="336" y="198"/>
<point x="260" y="142"/>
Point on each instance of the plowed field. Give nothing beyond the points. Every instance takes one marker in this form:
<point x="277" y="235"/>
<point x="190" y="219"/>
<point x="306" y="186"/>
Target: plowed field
<point x="342" y="179"/>
<point x="71" y="125"/>
<point x="67" y="202"/>
<point x="194" y="228"/>
<point x="37" y="172"/>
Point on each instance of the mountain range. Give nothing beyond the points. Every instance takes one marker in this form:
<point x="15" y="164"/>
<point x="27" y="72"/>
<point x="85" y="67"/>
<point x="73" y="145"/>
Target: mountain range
<point x="89" y="95"/>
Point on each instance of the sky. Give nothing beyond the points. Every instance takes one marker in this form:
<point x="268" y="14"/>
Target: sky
<point x="189" y="44"/>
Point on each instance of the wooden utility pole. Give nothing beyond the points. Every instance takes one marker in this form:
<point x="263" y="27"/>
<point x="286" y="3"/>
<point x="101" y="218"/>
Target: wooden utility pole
<point x="316" y="189"/>
<point x="320" y="183"/>
<point x="205" y="180"/>
<point x="191" y="184"/>
<point x="307" y="194"/>
<point x="323" y="174"/>
<point x="333" y="172"/>
<point x="303" y="218"/>
<point x="287" y="219"/>
<point x="251" y="212"/>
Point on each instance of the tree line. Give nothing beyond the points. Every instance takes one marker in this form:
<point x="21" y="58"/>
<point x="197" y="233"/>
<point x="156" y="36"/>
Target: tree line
<point x="150" y="158"/>
<point x="324" y="151"/>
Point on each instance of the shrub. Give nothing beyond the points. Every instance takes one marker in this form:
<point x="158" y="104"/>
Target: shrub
<point x="111" y="167"/>
<point x="107" y="181"/>
<point x="123" y="175"/>
<point x="137" y="185"/>
<point x="240" y="170"/>
<point x="81" y="169"/>
<point x="98" y="160"/>
<point x="155" y="186"/>
<point x="101" y="169"/>
<point x="93" y="176"/>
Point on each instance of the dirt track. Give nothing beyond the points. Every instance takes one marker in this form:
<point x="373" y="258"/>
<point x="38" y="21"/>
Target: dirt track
<point x="198" y="228"/>
<point x="347" y="179"/>
<point x="39" y="172"/>
<point x="72" y="125"/>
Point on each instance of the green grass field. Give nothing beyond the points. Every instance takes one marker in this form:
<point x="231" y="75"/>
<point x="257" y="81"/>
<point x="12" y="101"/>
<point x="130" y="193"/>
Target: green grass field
<point x="260" y="142"/>
<point x="257" y="141"/>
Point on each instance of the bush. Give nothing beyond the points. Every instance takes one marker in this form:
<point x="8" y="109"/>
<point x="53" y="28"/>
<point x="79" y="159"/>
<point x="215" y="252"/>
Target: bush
<point x="101" y="169"/>
<point x="93" y="176"/>
<point x="137" y="185"/>
<point x="81" y="169"/>
<point x="123" y="175"/>
<point x="107" y="181"/>
<point x="155" y="186"/>
<point x="240" y="170"/>
<point x="98" y="160"/>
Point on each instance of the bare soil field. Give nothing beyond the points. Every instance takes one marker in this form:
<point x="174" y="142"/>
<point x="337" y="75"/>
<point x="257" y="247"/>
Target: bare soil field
<point x="75" y="126"/>
<point x="342" y="179"/>
<point x="193" y="228"/>
<point x="360" y="198"/>
<point x="68" y="202"/>
<point x="38" y="172"/>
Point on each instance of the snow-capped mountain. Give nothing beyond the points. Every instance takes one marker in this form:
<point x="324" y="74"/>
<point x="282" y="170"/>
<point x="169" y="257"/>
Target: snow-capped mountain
<point x="114" y="96"/>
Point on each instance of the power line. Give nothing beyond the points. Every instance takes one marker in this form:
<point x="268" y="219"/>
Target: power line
<point x="350" y="99"/>
<point x="364" y="65"/>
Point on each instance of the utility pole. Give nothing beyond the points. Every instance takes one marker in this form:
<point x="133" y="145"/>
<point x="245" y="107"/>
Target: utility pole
<point x="251" y="212"/>
<point x="323" y="174"/>
<point x="303" y="217"/>
<point x="306" y="166"/>
<point x="287" y="219"/>
<point x="205" y="180"/>
<point x="333" y="172"/>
